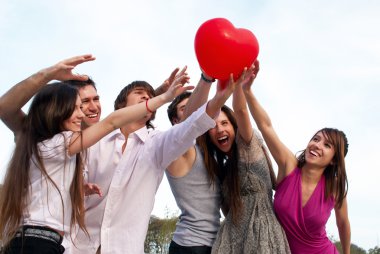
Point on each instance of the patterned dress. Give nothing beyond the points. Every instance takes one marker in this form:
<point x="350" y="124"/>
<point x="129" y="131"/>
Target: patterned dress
<point x="258" y="230"/>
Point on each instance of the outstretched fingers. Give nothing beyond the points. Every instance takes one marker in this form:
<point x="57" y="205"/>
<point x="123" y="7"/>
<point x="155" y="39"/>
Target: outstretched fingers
<point x="74" y="61"/>
<point x="63" y="70"/>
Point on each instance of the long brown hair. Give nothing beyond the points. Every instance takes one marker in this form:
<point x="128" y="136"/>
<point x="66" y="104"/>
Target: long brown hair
<point x="335" y="172"/>
<point x="225" y="168"/>
<point x="49" y="109"/>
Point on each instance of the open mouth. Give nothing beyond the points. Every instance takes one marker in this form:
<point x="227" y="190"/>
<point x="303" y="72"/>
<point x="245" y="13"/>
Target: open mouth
<point x="223" y="140"/>
<point x="314" y="153"/>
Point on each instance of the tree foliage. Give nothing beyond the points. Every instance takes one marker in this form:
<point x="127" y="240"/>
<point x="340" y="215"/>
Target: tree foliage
<point x="159" y="235"/>
<point x="375" y="250"/>
<point x="354" y="248"/>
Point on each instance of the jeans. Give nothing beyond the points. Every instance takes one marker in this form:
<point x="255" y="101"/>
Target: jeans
<point x="24" y="243"/>
<point x="175" y="248"/>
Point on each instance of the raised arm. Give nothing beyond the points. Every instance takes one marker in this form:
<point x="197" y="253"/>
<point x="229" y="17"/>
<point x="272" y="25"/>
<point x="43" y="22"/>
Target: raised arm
<point x="344" y="228"/>
<point x="284" y="158"/>
<point x="222" y="94"/>
<point x="15" y="98"/>
<point x="239" y="105"/>
<point x="199" y="95"/>
<point x="126" y="115"/>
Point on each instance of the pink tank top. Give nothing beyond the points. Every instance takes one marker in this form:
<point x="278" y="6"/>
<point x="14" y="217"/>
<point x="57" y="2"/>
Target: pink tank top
<point x="305" y="227"/>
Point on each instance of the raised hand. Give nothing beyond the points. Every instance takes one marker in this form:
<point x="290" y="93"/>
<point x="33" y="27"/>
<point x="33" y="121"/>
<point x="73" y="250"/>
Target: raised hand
<point x="224" y="91"/>
<point x="63" y="70"/>
<point x="251" y="75"/>
<point x="177" y="84"/>
<point x="166" y="84"/>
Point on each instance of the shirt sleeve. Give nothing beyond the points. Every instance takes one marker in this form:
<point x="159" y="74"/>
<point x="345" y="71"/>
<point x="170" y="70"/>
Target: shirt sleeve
<point x="171" y="144"/>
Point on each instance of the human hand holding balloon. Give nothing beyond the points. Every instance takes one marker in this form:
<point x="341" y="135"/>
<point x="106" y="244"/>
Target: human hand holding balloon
<point x="251" y="75"/>
<point x="226" y="87"/>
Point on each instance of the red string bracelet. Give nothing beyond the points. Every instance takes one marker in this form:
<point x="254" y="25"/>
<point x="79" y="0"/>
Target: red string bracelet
<point x="147" y="108"/>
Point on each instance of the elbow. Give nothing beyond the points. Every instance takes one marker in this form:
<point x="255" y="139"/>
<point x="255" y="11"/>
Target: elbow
<point x="344" y="227"/>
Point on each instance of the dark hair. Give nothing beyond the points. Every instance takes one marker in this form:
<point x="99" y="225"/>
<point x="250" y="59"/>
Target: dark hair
<point x="218" y="164"/>
<point x="172" y="109"/>
<point x="50" y="107"/>
<point x="121" y="99"/>
<point x="335" y="173"/>
<point x="80" y="84"/>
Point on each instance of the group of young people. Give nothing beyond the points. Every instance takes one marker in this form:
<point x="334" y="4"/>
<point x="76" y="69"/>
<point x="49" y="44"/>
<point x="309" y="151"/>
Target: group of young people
<point x="78" y="184"/>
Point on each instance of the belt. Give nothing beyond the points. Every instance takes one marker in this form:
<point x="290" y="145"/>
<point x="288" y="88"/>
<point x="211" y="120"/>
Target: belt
<point x="40" y="232"/>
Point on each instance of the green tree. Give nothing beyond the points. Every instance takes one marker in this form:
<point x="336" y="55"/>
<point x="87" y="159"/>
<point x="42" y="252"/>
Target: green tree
<point x="375" y="250"/>
<point x="354" y="248"/>
<point x="159" y="235"/>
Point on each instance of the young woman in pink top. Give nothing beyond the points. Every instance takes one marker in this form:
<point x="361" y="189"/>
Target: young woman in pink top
<point x="309" y="186"/>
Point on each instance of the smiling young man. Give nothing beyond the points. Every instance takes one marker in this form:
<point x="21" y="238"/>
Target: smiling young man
<point x="91" y="106"/>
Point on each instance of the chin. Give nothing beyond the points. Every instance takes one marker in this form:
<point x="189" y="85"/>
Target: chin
<point x="224" y="149"/>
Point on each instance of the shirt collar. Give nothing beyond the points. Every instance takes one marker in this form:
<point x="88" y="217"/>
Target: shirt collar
<point x="141" y="134"/>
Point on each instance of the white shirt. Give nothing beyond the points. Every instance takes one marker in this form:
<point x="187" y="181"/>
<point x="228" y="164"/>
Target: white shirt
<point x="44" y="206"/>
<point x="130" y="182"/>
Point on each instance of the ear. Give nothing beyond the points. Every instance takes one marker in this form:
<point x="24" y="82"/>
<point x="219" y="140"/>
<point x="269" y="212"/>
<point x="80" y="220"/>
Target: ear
<point x="175" y="120"/>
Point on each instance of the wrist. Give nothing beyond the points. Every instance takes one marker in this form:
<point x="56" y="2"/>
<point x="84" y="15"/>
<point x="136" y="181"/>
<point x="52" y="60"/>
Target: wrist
<point x="247" y="91"/>
<point x="43" y="76"/>
<point x="206" y="78"/>
<point x="147" y="107"/>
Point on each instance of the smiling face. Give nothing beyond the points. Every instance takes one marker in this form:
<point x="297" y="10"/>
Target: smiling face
<point x="90" y="105"/>
<point x="223" y="134"/>
<point x="73" y="123"/>
<point x="320" y="151"/>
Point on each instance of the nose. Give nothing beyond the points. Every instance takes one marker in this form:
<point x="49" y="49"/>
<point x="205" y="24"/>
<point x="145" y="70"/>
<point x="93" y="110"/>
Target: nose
<point x="219" y="128"/>
<point x="92" y="106"/>
<point x="318" y="144"/>
<point x="145" y="96"/>
<point x="80" y="114"/>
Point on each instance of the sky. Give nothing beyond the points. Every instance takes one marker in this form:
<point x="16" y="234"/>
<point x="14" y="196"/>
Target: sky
<point x="319" y="67"/>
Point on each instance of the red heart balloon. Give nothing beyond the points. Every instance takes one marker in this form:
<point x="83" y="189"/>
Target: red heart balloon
<point x="222" y="49"/>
